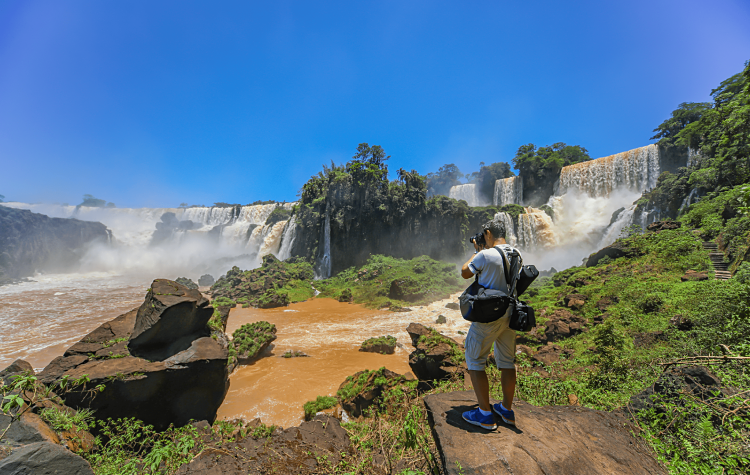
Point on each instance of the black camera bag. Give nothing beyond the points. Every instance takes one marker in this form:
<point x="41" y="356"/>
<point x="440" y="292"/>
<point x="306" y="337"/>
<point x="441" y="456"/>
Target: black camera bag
<point x="479" y="304"/>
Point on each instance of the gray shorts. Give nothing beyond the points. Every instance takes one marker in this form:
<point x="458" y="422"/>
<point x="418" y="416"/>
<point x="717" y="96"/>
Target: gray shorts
<point x="479" y="342"/>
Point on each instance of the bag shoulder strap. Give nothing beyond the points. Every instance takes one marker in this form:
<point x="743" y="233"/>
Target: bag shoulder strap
<point x="506" y="269"/>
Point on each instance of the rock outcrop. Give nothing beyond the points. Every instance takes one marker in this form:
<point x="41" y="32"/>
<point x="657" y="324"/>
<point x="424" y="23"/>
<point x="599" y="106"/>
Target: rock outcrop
<point x="613" y="251"/>
<point x="551" y="440"/>
<point x="44" y="458"/>
<point x="435" y="356"/>
<point x="695" y="380"/>
<point x="662" y="225"/>
<point x="31" y="242"/>
<point x="311" y="447"/>
<point x="156" y="363"/>
<point x="361" y="390"/>
<point x="385" y="345"/>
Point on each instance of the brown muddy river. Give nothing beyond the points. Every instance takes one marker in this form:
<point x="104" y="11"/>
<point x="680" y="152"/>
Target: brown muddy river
<point x="40" y="320"/>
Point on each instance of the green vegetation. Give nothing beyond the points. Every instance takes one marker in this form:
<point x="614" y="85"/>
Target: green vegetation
<point x="60" y="420"/>
<point x="278" y="214"/>
<point x="435" y="338"/>
<point x="387" y="340"/>
<point x="440" y="182"/>
<point x="250" y="339"/>
<point x="221" y="301"/>
<point x="388" y="281"/>
<point x="321" y="403"/>
<point x="540" y="167"/>
<point x="187" y="283"/>
<point x="449" y="175"/>
<point x="274" y="284"/>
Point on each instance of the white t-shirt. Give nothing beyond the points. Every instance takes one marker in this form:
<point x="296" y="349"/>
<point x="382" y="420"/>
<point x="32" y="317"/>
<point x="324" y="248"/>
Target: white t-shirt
<point x="488" y="263"/>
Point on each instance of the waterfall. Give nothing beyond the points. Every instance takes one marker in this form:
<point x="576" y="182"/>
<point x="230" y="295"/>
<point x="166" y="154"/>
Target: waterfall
<point x="535" y="230"/>
<point x="624" y="220"/>
<point x="509" y="191"/>
<point x="687" y="201"/>
<point x="635" y="170"/>
<point x="204" y="238"/>
<point x="468" y="193"/>
<point x="287" y="239"/>
<point x="324" y="263"/>
<point x="510" y="232"/>
<point x="694" y="157"/>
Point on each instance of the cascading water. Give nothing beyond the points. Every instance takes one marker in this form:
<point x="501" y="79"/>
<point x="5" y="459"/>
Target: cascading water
<point x="535" y="230"/>
<point x="324" y="263"/>
<point x="204" y="239"/>
<point x="510" y="232"/>
<point x="688" y="200"/>
<point x="509" y="191"/>
<point x="635" y="170"/>
<point x="287" y="239"/>
<point x="468" y="193"/>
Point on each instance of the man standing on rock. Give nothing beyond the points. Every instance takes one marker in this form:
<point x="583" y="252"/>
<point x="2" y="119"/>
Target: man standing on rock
<point x="487" y="265"/>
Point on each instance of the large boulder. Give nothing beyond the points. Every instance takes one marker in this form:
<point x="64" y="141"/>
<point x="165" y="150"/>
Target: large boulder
<point x="435" y="356"/>
<point x="406" y="289"/>
<point x="183" y="379"/>
<point x="613" y="251"/>
<point x="552" y="440"/>
<point x="44" y="458"/>
<point x="361" y="390"/>
<point x="695" y="380"/>
<point x="170" y="319"/>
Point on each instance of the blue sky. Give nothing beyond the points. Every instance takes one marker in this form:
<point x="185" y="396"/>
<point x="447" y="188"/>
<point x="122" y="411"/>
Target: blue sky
<point x="154" y="103"/>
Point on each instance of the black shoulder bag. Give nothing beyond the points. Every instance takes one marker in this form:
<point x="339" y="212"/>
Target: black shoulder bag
<point x="522" y="317"/>
<point x="483" y="305"/>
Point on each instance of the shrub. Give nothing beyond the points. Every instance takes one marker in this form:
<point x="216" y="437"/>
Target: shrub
<point x="322" y="402"/>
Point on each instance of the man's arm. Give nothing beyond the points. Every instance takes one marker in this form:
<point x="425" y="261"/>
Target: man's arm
<point x="466" y="273"/>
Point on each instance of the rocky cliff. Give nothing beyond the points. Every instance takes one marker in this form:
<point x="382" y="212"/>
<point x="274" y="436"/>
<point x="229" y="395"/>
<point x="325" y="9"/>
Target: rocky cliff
<point x="31" y="242"/>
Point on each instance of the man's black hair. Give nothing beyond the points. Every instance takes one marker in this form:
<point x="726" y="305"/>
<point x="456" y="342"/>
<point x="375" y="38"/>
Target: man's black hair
<point x="497" y="228"/>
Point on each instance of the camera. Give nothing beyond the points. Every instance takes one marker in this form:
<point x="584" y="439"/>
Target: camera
<point x="478" y="238"/>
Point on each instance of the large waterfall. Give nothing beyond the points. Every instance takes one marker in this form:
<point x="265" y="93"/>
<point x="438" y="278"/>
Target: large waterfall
<point x="287" y="239"/>
<point x="468" y="193"/>
<point x="509" y="191"/>
<point x="171" y="241"/>
<point x="634" y="170"/>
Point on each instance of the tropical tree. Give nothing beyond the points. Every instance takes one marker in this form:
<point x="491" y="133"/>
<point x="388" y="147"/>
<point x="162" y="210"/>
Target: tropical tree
<point x="441" y="182"/>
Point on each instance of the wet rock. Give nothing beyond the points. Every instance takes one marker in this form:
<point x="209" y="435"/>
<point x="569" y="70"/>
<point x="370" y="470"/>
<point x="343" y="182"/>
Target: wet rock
<point x="170" y="319"/>
<point x="681" y="323"/>
<point x="206" y="280"/>
<point x="440" y="319"/>
<point x="44" y="458"/>
<point x="695" y="380"/>
<point x="663" y="225"/>
<point x="649" y="338"/>
<point x="559" y="440"/>
<point x="396" y="308"/>
<point x="691" y="275"/>
<point x="452" y="306"/>
<point x="435" y="356"/>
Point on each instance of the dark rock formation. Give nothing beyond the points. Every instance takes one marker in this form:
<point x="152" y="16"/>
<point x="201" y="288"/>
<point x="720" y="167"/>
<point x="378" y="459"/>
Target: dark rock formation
<point x="662" y="225"/>
<point x="173" y="386"/>
<point x="170" y="319"/>
<point x="550" y="353"/>
<point x="691" y="275"/>
<point x="649" y="338"/>
<point x="554" y="440"/>
<point x="613" y="251"/>
<point x="440" y="319"/>
<point x="44" y="458"/>
<point x="206" y="280"/>
<point x="168" y="225"/>
<point x="452" y="306"/>
<point x="605" y="302"/>
<point x="562" y="324"/>
<point x="406" y="289"/>
<point x="31" y="242"/>
<point x="575" y="301"/>
<point x="435" y="356"/>
<point x="312" y="447"/>
<point x="17" y="367"/>
<point x="695" y="380"/>
<point x="681" y="323"/>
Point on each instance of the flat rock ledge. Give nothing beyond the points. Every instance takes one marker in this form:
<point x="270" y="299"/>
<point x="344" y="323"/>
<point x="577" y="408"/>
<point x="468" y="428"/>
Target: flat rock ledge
<point x="550" y="440"/>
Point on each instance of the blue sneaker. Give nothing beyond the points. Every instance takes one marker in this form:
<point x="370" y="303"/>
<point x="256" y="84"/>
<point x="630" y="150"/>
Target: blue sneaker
<point x="478" y="419"/>
<point x="508" y="416"/>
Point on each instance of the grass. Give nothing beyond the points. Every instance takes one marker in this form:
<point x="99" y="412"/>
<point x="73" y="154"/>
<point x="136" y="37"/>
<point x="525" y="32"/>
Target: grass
<point x="250" y="338"/>
<point x="319" y="404"/>
<point x="387" y="340"/>
<point x="421" y="280"/>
